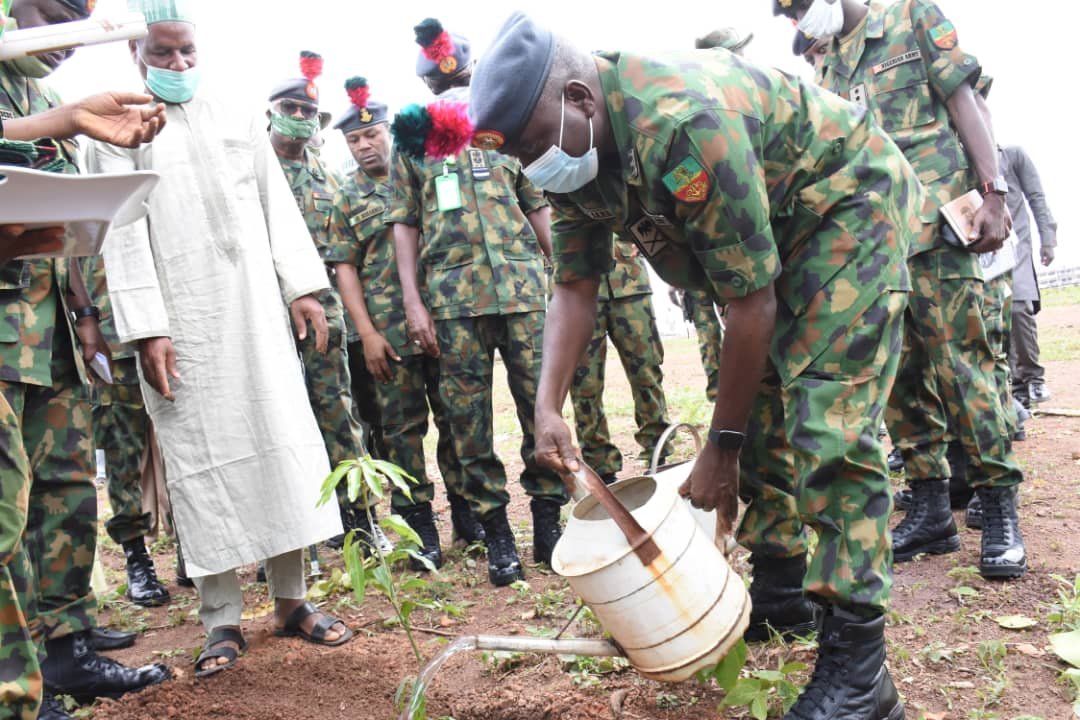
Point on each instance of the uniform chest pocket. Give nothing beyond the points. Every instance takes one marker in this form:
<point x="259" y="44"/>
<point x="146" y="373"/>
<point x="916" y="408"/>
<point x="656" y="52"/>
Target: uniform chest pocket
<point x="902" y="97"/>
<point x="322" y="204"/>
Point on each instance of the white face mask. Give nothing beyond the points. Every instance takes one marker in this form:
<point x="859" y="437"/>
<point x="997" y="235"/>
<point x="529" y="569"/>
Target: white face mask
<point x="823" y="19"/>
<point x="559" y="172"/>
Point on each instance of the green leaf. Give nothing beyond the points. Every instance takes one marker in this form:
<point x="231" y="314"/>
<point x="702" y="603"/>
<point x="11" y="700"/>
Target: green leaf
<point x="793" y="667"/>
<point x="743" y="693"/>
<point x="422" y="560"/>
<point x="401" y="527"/>
<point x="392" y="471"/>
<point x="1015" y="622"/>
<point x="354" y="563"/>
<point x="352" y="487"/>
<point x="727" y="670"/>
<point x="759" y="708"/>
<point x="1067" y="647"/>
<point x="332" y="480"/>
<point x="373" y="482"/>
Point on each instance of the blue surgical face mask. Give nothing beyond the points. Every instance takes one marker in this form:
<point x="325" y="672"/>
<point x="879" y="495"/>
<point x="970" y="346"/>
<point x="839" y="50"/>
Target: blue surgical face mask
<point x="558" y="172"/>
<point x="172" y="86"/>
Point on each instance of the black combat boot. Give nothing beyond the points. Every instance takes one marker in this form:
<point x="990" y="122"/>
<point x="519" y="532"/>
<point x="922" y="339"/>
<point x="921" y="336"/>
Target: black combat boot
<point x="143" y="587"/>
<point x="546" y="528"/>
<point x="928" y="526"/>
<point x="102" y="639"/>
<point x="466" y="527"/>
<point x="504" y="566"/>
<point x="1003" y="554"/>
<point x="960" y="493"/>
<point x="52" y="708"/>
<point x="72" y="668"/>
<point x="973" y="515"/>
<point x="850" y="680"/>
<point x="422" y="521"/>
<point x="777" y="598"/>
<point x="895" y="460"/>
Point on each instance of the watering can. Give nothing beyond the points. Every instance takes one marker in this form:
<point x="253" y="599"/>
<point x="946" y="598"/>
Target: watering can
<point x="655" y="578"/>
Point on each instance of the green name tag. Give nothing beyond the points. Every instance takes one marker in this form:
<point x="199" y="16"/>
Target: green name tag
<point x="448" y="191"/>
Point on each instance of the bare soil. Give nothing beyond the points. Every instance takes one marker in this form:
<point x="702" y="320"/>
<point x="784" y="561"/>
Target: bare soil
<point x="934" y="633"/>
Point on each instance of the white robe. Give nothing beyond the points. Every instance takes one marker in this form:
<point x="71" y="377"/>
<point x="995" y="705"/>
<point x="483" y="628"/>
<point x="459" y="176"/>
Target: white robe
<point x="223" y="250"/>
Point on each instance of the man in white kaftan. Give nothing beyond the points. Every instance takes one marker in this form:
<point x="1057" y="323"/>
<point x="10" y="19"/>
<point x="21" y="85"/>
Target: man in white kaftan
<point x="201" y="286"/>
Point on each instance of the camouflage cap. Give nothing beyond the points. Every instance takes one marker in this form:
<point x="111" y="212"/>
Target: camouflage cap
<point x="727" y="38"/>
<point x="508" y="81"/>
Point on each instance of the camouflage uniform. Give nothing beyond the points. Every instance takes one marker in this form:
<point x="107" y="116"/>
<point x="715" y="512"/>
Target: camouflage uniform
<point x="359" y="236"/>
<point x="701" y="310"/>
<point x="903" y="66"/>
<point x="121" y="425"/>
<point x="625" y="314"/>
<point x="328" y="376"/>
<point x="484" y="286"/>
<point x="772" y="181"/>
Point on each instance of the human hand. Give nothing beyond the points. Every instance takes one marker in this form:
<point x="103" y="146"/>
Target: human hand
<point x="16" y="240"/>
<point x="307" y="308"/>
<point x="119" y="118"/>
<point x="157" y="356"/>
<point x="1047" y="254"/>
<point x="554" y="443"/>
<point x="421" y="328"/>
<point x="376" y="351"/>
<point x="991" y="225"/>
<point x="92" y="342"/>
<point x="714" y="484"/>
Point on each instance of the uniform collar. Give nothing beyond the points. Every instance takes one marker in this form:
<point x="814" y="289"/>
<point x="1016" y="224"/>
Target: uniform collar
<point x="367" y="185"/>
<point x="607" y="65"/>
<point x="845" y="61"/>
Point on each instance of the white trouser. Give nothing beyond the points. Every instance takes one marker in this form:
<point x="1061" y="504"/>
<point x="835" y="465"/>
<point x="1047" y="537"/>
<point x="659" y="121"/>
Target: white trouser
<point x="223" y="600"/>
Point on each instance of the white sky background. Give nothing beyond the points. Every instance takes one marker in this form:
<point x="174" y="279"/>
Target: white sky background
<point x="246" y="47"/>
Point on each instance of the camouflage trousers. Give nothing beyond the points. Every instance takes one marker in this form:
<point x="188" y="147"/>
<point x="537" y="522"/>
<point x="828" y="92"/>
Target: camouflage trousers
<point x="329" y="386"/>
<point x="813" y="459"/>
<point x="467" y="357"/>
<point x="631" y="325"/>
<point x="46" y="495"/>
<point x="998" y="319"/>
<point x="946" y="384"/>
<point x="710" y="336"/>
<point x="405" y="403"/>
<point x="121" y="428"/>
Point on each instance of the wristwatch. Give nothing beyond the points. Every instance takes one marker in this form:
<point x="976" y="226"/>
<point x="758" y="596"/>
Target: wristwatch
<point x="997" y="185"/>
<point x="726" y="439"/>
<point x="84" y="312"/>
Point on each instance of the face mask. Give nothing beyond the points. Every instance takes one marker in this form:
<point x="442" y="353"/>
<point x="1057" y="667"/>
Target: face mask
<point x="561" y="173"/>
<point x="291" y="127"/>
<point x="823" y="19"/>
<point x="172" y="86"/>
<point x="29" y="65"/>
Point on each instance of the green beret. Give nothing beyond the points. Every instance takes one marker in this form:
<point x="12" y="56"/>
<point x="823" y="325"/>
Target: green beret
<point x="508" y="81"/>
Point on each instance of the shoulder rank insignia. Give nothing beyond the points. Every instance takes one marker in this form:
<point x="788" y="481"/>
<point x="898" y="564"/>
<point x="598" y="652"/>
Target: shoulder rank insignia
<point x="688" y="182"/>
<point x="944" y="35"/>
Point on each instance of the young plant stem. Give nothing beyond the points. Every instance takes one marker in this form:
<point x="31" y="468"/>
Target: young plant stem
<point x="391" y="591"/>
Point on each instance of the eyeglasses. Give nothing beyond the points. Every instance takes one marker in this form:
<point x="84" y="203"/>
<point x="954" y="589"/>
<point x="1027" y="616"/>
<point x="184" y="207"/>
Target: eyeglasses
<point x="306" y="111"/>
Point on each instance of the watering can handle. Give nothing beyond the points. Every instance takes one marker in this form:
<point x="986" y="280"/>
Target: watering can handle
<point x="640" y="541"/>
<point x="670" y="430"/>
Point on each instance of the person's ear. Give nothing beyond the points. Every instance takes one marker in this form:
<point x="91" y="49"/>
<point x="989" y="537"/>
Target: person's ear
<point x="581" y="96"/>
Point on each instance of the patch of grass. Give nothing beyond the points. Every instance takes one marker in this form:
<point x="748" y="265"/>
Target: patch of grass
<point x="1059" y="344"/>
<point x="1061" y="296"/>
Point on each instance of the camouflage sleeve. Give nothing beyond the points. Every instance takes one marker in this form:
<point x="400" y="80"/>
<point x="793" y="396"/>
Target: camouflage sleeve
<point x="530" y="197"/>
<point x="947" y="65"/>
<point x="405" y="199"/>
<point x="715" y="173"/>
<point x="581" y="247"/>
<point x="983" y="86"/>
<point x="341" y="243"/>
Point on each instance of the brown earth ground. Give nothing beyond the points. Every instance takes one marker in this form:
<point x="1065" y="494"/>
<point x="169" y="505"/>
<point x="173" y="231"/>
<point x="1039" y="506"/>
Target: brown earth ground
<point x="941" y="636"/>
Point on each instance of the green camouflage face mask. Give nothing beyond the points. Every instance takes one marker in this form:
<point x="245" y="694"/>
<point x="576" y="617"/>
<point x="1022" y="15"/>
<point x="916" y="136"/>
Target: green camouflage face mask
<point x="294" y="127"/>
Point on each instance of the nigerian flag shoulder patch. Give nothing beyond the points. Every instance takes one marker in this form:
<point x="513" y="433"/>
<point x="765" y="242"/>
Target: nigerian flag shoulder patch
<point x="944" y="35"/>
<point x="688" y="182"/>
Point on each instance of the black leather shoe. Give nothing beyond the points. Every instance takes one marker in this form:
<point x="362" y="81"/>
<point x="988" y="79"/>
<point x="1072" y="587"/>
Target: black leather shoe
<point x="72" y="668"/>
<point x="143" y="587"/>
<point x="850" y="680"/>
<point x="547" y="528"/>
<point x="928" y="526"/>
<point x="960" y="493"/>
<point x="466" y="527"/>
<point x="895" y="460"/>
<point x="1003" y="554"/>
<point x="777" y="599"/>
<point x="973" y="515"/>
<point x="102" y="639"/>
<point x="422" y="521"/>
<point x="52" y="708"/>
<point x="1038" y="392"/>
<point x="504" y="566"/>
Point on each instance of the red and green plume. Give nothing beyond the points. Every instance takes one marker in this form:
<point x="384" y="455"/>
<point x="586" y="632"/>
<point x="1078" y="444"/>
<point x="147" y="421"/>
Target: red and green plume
<point x="439" y="130"/>
<point x="435" y="41"/>
<point x="358" y="91"/>
<point x="311" y="67"/>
